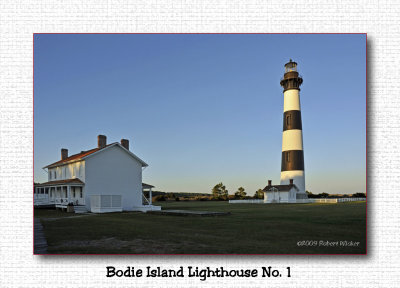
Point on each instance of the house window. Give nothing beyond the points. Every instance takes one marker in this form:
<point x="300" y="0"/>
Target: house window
<point x="287" y="120"/>
<point x="73" y="192"/>
<point x="55" y="174"/>
<point x="81" y="195"/>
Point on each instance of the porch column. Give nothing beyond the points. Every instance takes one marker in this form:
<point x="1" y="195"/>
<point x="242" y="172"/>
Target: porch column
<point x="150" y="196"/>
<point x="69" y="193"/>
<point x="83" y="195"/>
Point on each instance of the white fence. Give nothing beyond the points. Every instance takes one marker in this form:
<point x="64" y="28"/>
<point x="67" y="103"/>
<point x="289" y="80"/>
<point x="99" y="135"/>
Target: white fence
<point x="351" y="199"/>
<point x="334" y="200"/>
<point x="252" y="201"/>
<point x="311" y="200"/>
<point x="319" y="200"/>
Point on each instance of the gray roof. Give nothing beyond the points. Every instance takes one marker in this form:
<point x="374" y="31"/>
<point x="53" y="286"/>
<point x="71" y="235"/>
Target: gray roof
<point x="147" y="186"/>
<point x="281" y="187"/>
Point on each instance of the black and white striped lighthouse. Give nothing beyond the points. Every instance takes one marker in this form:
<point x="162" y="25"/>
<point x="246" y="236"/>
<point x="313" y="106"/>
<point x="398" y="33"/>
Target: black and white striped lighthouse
<point x="292" y="138"/>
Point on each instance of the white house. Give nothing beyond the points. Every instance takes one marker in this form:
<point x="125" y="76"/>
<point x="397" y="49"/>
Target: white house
<point x="280" y="193"/>
<point x="107" y="178"/>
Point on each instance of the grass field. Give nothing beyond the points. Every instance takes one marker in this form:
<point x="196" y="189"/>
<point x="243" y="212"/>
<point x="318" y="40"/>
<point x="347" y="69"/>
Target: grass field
<point x="250" y="229"/>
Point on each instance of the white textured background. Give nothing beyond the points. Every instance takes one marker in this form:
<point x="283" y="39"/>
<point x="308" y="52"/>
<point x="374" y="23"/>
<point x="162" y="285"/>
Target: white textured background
<point x="19" y="19"/>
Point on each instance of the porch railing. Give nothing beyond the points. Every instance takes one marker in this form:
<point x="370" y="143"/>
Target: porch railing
<point x="41" y="199"/>
<point x="145" y="201"/>
<point x="64" y="201"/>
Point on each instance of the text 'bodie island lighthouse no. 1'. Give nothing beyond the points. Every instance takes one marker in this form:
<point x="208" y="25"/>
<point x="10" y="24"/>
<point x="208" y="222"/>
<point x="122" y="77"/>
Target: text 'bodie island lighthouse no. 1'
<point x="292" y="138"/>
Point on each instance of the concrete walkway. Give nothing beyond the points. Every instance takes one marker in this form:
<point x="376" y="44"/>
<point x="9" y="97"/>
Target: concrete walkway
<point x="40" y="243"/>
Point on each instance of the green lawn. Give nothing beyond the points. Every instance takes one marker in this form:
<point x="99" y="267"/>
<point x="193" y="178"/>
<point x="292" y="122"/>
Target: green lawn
<point x="250" y="229"/>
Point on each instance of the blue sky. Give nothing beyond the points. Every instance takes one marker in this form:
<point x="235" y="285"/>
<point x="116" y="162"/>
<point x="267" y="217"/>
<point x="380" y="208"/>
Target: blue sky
<point x="204" y="108"/>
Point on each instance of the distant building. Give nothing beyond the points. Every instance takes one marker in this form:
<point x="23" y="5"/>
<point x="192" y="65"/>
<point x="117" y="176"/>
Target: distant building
<point x="107" y="178"/>
<point x="280" y="193"/>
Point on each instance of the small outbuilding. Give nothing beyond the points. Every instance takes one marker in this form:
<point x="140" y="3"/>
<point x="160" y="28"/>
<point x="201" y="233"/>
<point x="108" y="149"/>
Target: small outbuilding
<point x="280" y="193"/>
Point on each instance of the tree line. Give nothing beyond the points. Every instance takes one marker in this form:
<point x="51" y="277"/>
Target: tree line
<point x="220" y="193"/>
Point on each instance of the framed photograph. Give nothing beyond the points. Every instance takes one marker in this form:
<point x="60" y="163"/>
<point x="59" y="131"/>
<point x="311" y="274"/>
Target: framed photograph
<point x="200" y="144"/>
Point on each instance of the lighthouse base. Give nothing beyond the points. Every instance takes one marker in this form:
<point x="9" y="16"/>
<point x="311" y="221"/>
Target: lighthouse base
<point x="298" y="179"/>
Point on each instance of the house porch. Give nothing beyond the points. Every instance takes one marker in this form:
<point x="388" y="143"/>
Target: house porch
<point x="60" y="194"/>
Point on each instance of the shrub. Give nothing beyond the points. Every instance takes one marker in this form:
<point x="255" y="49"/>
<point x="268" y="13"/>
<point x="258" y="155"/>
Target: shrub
<point x="159" y="198"/>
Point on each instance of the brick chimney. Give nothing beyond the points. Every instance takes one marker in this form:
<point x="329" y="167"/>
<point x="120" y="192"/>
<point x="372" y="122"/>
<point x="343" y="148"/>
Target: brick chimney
<point x="64" y="153"/>
<point x="101" y="141"/>
<point x="291" y="181"/>
<point x="125" y="143"/>
<point x="269" y="182"/>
